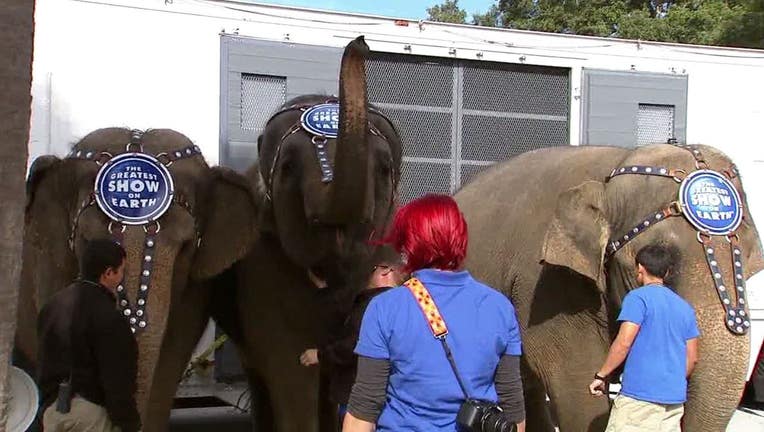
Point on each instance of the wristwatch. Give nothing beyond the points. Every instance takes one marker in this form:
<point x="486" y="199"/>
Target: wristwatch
<point x="599" y="377"/>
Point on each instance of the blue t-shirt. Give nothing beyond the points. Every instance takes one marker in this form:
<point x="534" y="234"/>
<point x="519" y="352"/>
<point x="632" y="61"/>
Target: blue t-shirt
<point x="656" y="365"/>
<point x="422" y="393"/>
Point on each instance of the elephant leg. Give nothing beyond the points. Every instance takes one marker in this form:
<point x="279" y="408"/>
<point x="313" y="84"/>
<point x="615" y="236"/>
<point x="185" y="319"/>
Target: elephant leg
<point x="185" y="326"/>
<point x="293" y="395"/>
<point x="261" y="409"/>
<point x="566" y="351"/>
<point x="537" y="415"/>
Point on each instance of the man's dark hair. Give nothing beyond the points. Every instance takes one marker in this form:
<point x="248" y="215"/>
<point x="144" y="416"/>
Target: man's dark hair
<point x="660" y="261"/>
<point x="98" y="256"/>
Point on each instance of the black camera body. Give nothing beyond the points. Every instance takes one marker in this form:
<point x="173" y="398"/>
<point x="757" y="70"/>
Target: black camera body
<point x="476" y="415"/>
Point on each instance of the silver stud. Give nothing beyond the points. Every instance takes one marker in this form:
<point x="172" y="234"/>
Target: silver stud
<point x="88" y="155"/>
<point x="617" y="244"/>
<point x="127" y="312"/>
<point x="141" y="302"/>
<point x="696" y="151"/>
<point x="144" y="287"/>
<point x="79" y="153"/>
<point x="123" y="303"/>
<point x="722" y="288"/>
<point x="741" y="301"/>
<point x="737" y="251"/>
<point x="739" y="288"/>
<point x="146" y="273"/>
<point x="732" y="312"/>
<point x="133" y="329"/>
<point x="737" y="263"/>
<point x="742" y="313"/>
<point x="738" y="320"/>
<point x="713" y="263"/>
<point x="178" y="154"/>
<point x="188" y="151"/>
<point x="133" y="321"/>
<point x="739" y="329"/>
<point x="717" y="275"/>
<point x="147" y="258"/>
<point x="634" y="169"/>
<point x="658" y="216"/>
<point x="731" y="323"/>
<point x="646" y="223"/>
<point x="196" y="148"/>
<point x="746" y="323"/>
<point x="635" y="230"/>
<point x="663" y="171"/>
<point x="710" y="250"/>
<point x="120" y="288"/>
<point x="726" y="301"/>
<point x="142" y="324"/>
<point x="739" y="276"/>
<point x="150" y="243"/>
<point x="648" y="169"/>
<point x="139" y="312"/>
<point x="626" y="237"/>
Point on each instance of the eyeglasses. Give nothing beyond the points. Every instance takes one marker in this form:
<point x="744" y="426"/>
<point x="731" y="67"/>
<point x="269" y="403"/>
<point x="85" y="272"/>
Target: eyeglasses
<point x="383" y="267"/>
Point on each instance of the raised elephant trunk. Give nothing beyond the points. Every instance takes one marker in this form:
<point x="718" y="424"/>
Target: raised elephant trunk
<point x="347" y="196"/>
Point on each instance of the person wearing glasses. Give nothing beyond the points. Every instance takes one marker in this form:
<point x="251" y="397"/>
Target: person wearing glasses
<point x="337" y="355"/>
<point x="405" y="379"/>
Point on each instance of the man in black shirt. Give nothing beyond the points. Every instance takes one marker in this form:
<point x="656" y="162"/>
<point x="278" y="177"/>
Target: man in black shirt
<point x="87" y="343"/>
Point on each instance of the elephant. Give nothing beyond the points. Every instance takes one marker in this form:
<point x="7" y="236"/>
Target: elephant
<point x="557" y="231"/>
<point x="208" y="224"/>
<point x="316" y="225"/>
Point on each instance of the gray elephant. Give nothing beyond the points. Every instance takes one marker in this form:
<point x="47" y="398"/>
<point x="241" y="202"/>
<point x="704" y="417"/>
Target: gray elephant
<point x="328" y="187"/>
<point x="557" y="229"/>
<point x="200" y="222"/>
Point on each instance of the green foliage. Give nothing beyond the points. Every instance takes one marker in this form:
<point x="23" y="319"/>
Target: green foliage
<point x="707" y="22"/>
<point x="448" y="12"/>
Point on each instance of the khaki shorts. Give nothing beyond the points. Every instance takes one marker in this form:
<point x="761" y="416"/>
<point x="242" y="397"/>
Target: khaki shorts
<point x="631" y="415"/>
<point x="84" y="416"/>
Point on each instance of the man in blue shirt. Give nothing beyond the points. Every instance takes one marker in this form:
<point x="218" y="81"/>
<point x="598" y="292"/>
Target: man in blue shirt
<point x="658" y="338"/>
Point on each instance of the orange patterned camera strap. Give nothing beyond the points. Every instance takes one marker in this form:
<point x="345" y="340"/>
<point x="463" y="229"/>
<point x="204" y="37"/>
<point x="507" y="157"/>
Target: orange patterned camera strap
<point x="430" y="310"/>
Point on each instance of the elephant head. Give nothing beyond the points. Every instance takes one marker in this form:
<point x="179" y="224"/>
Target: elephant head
<point x="207" y="225"/>
<point x="657" y="194"/>
<point x="327" y="193"/>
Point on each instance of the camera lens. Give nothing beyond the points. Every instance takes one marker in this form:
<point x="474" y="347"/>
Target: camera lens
<point x="494" y="421"/>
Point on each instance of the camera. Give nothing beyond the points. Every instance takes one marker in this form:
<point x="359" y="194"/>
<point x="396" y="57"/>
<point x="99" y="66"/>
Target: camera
<point x="477" y="415"/>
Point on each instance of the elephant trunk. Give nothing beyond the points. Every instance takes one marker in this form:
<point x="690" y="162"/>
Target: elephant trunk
<point x="717" y="384"/>
<point x="347" y="194"/>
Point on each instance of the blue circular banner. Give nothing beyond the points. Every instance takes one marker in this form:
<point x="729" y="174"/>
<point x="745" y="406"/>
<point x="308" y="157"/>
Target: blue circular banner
<point x="710" y="202"/>
<point x="322" y="120"/>
<point x="134" y="188"/>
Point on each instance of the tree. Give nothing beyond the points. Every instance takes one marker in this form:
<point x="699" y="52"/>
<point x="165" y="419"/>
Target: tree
<point x="16" y="37"/>
<point x="710" y="22"/>
<point x="448" y="12"/>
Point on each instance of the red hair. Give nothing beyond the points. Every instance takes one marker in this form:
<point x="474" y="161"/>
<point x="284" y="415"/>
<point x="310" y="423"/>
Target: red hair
<point x="431" y="232"/>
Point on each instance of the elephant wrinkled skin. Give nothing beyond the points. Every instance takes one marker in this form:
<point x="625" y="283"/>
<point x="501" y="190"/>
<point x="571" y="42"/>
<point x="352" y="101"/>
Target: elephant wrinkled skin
<point x="220" y="208"/>
<point x="539" y="224"/>
<point x="311" y="230"/>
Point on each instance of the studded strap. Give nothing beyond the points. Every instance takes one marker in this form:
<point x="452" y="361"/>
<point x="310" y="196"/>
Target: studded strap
<point x="616" y="243"/>
<point x="676" y="174"/>
<point x="737" y="318"/>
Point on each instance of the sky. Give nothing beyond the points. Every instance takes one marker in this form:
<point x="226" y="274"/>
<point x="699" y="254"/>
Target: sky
<point x="413" y="9"/>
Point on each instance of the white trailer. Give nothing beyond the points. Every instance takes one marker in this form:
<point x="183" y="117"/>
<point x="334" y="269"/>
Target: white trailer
<point x="464" y="96"/>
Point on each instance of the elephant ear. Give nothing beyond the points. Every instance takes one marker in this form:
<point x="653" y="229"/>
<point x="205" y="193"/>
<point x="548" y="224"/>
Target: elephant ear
<point x="229" y="223"/>
<point x="48" y="264"/>
<point x="578" y="234"/>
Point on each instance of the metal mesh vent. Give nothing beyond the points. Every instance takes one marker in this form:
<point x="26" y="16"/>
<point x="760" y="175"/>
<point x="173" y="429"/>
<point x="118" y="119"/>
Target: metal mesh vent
<point x="419" y="178"/>
<point x="516" y="88"/>
<point x="655" y="124"/>
<point x="424" y="134"/>
<point x="497" y="139"/>
<point x="261" y="95"/>
<point x="414" y="81"/>
<point x="497" y="111"/>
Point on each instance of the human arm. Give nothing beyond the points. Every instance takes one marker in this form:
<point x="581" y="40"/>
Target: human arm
<point x="692" y="355"/>
<point x="117" y="358"/>
<point x="617" y="354"/>
<point x="509" y="388"/>
<point x="368" y="395"/>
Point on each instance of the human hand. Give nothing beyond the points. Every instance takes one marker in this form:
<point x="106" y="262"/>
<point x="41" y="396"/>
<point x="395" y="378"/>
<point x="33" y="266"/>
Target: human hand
<point x="309" y="357"/>
<point x="597" y="388"/>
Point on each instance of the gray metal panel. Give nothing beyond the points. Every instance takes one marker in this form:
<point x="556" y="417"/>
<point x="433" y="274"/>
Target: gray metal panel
<point x="612" y="99"/>
<point x="306" y="69"/>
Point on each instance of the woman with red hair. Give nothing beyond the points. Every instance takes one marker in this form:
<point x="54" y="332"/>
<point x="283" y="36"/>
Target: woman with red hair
<point x="405" y="380"/>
